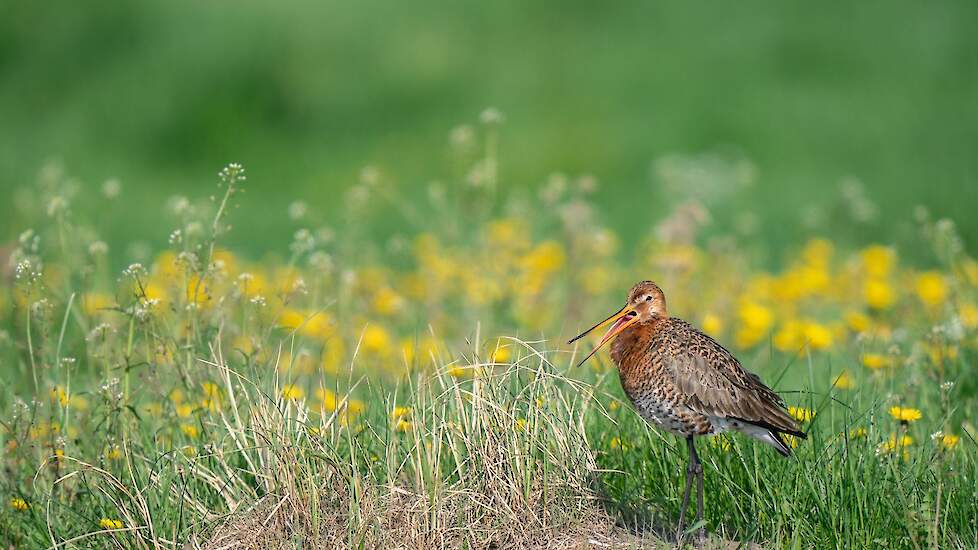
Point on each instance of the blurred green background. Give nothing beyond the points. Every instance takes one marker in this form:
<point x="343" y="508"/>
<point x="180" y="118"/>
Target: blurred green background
<point x="162" y="94"/>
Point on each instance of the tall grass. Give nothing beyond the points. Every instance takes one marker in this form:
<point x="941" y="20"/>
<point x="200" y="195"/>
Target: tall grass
<point x="200" y="399"/>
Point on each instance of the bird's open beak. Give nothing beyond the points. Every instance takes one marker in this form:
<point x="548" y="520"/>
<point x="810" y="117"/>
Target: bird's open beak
<point x="619" y="320"/>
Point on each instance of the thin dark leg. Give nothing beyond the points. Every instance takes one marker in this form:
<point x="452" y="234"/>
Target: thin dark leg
<point x="693" y="461"/>
<point x="701" y="535"/>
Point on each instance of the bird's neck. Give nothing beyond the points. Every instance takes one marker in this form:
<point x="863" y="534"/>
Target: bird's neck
<point x="634" y="339"/>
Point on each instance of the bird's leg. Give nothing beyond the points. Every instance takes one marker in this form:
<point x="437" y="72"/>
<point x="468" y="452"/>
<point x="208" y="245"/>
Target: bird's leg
<point x="698" y="470"/>
<point x="690" y="473"/>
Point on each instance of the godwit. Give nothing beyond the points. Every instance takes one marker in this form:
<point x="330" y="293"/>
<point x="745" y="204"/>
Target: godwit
<point x="688" y="384"/>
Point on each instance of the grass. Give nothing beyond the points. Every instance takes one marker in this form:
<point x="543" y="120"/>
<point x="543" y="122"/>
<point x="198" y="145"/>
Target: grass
<point x="417" y="393"/>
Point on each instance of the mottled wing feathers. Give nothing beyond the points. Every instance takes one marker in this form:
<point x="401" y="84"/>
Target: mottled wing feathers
<point x="714" y="383"/>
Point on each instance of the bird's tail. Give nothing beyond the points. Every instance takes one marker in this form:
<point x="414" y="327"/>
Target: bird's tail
<point x="773" y="438"/>
<point x="777" y="441"/>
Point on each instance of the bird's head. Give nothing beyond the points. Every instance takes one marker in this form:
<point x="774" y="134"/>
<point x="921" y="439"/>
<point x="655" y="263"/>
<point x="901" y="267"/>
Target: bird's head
<point x="645" y="302"/>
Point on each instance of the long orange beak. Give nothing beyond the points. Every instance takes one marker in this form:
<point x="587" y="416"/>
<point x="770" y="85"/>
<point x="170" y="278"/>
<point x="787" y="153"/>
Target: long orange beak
<point x="620" y="320"/>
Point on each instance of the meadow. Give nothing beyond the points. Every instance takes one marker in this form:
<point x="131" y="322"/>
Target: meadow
<point x="417" y="391"/>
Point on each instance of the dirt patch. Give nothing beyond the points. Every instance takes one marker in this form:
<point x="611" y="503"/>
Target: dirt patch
<point x="405" y="521"/>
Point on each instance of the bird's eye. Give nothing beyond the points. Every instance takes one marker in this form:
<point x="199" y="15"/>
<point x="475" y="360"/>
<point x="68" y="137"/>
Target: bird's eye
<point x="648" y="298"/>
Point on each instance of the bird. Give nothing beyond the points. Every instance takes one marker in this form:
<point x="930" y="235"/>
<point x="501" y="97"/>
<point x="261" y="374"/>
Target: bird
<point x="683" y="381"/>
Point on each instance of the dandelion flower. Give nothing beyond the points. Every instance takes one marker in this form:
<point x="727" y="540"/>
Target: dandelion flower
<point x="802" y="414"/>
<point x="113" y="453"/>
<point x="398" y="412"/>
<point x="403" y="426"/>
<point x="968" y="313"/>
<point x="19" y="504"/>
<point x="844" y="381"/>
<point x="184" y="410"/>
<point x="875" y="361"/>
<point x="617" y="443"/>
<point x="895" y="442"/>
<point x="857" y="321"/>
<point x="931" y="288"/>
<point x="721" y="442"/>
<point x="949" y="441"/>
<point x="878" y="260"/>
<point x="905" y="414"/>
<point x="292" y="392"/>
<point x="189" y="430"/>
<point x="387" y="302"/>
<point x="107" y="523"/>
<point x="375" y="340"/>
<point x="712" y="324"/>
<point x="878" y="294"/>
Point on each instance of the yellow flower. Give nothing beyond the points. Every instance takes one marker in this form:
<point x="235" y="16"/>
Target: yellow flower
<point x="58" y="395"/>
<point x="857" y="433"/>
<point x="19" y="504"/>
<point x="875" y="360"/>
<point x="189" y="430"/>
<point x="155" y="293"/>
<point x="502" y="353"/>
<point x="789" y="336"/>
<point x="857" y="321"/>
<point x="817" y="335"/>
<point x="184" y="410"/>
<point x="970" y="268"/>
<point x="460" y="371"/>
<point x="387" y="302"/>
<point x="931" y="288"/>
<point x="520" y="424"/>
<point x="113" y="453"/>
<point x="403" y="426"/>
<point x="292" y="392"/>
<point x="844" y="381"/>
<point x="939" y="353"/>
<point x="168" y="266"/>
<point x="224" y="259"/>
<point x="252" y="284"/>
<point x="878" y="294"/>
<point x="878" y="260"/>
<point x="905" y="414"/>
<point x="755" y="320"/>
<point x="328" y="398"/>
<point x="712" y="324"/>
<point x="176" y="396"/>
<point x="817" y="252"/>
<point x="721" y="442"/>
<point x="949" y="441"/>
<point x="968" y="313"/>
<point x="317" y="325"/>
<point x="617" y="443"/>
<point x="355" y="406"/>
<point x="212" y="404"/>
<point x="614" y="405"/>
<point x="333" y="354"/>
<point x="93" y="303"/>
<point x="106" y="523"/>
<point x="802" y="414"/>
<point x="198" y="291"/>
<point x="375" y="340"/>
<point x="398" y="412"/>
<point x="895" y="442"/>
